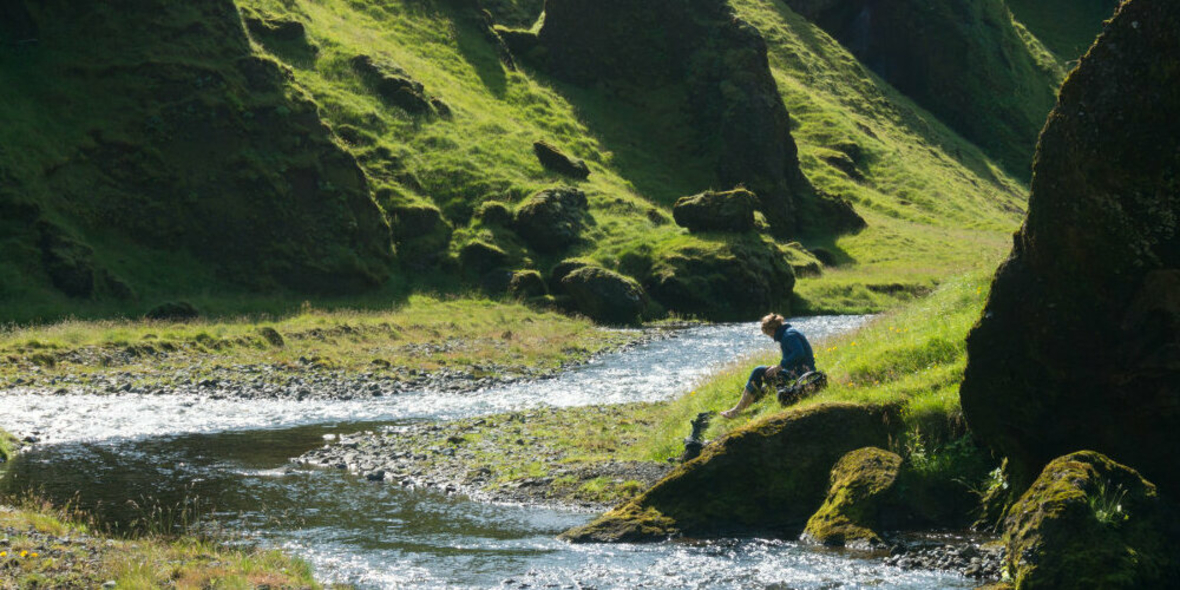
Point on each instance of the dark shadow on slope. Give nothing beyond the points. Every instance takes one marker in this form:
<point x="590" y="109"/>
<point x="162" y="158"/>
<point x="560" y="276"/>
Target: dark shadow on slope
<point x="476" y="43"/>
<point x="914" y="117"/>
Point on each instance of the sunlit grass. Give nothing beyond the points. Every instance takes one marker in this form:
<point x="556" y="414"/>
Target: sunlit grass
<point x="913" y="356"/>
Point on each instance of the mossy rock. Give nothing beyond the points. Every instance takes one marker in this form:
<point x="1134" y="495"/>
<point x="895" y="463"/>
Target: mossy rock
<point x="494" y="213"/>
<point x="729" y="211"/>
<point x="605" y="296"/>
<point x="863" y="482"/>
<point x="556" y="160"/>
<point x="526" y="284"/>
<point x="720" y="64"/>
<point x="553" y="219"/>
<point x="393" y="85"/>
<point x="736" y="280"/>
<point x="479" y="258"/>
<point x="68" y="262"/>
<point x="272" y="337"/>
<point x="421" y="233"/>
<point x="563" y="269"/>
<point x="766" y="478"/>
<point x="1089" y="522"/>
<point x="1079" y="345"/>
<point x="173" y="311"/>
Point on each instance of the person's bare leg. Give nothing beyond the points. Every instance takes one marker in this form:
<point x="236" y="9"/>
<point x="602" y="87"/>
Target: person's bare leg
<point x="743" y="403"/>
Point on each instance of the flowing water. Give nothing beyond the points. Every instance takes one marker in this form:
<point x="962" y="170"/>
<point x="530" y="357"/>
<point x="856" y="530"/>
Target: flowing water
<point x="103" y="452"/>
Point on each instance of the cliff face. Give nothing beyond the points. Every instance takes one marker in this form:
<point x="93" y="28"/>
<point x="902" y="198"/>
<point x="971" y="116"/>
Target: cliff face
<point x="168" y="133"/>
<point x="964" y="61"/>
<point x="715" y="60"/>
<point x="1079" y="346"/>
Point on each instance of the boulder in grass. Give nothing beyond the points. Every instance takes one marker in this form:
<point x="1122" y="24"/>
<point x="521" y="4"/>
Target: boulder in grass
<point x="526" y="284"/>
<point x="556" y="160"/>
<point x="1089" y="522"/>
<point x="480" y="258"/>
<point x="729" y="211"/>
<point x="173" y="311"/>
<point x="863" y="483"/>
<point x="605" y="296"/>
<point x="553" y="219"/>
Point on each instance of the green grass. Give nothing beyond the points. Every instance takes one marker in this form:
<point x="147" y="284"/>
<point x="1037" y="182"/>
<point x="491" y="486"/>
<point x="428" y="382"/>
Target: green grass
<point x="8" y="445"/>
<point x="932" y="199"/>
<point x="480" y="331"/>
<point x="914" y="356"/>
<point x="141" y="563"/>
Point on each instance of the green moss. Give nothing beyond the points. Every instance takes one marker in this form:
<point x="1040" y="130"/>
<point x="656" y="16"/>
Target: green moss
<point x="1061" y="532"/>
<point x="767" y="477"/>
<point x="860" y="483"/>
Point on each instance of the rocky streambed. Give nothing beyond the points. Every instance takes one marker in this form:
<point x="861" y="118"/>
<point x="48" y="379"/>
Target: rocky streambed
<point x="523" y="457"/>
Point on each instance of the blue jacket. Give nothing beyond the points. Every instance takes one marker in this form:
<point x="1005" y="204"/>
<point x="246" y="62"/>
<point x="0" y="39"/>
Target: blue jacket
<point x="797" y="355"/>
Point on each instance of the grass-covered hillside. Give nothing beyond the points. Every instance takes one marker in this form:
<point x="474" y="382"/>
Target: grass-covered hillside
<point x="248" y="155"/>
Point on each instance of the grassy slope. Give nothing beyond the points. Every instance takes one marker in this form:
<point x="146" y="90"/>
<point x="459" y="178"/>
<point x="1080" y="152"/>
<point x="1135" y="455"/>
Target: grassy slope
<point x="933" y="200"/>
<point x="1066" y="27"/>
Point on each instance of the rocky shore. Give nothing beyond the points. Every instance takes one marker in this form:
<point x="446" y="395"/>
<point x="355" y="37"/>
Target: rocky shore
<point x="523" y="457"/>
<point x="973" y="557"/>
<point x="309" y="377"/>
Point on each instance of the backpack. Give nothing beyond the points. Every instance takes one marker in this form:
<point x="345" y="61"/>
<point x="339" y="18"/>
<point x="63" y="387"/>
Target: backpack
<point x="791" y="391"/>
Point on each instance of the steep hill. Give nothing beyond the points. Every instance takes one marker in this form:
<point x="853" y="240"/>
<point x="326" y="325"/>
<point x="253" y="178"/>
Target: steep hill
<point x="249" y="155"/>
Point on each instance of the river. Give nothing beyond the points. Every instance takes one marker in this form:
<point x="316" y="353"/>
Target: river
<point x="111" y="453"/>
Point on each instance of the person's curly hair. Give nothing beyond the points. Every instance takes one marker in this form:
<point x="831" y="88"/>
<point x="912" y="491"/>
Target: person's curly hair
<point x="771" y="323"/>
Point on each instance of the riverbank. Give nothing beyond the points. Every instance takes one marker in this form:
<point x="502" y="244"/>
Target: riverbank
<point x="912" y="357"/>
<point x="450" y="344"/>
<point x="563" y="456"/>
<point x="44" y="547"/>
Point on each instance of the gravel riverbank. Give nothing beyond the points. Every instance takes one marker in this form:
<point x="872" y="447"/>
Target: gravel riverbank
<point x="534" y="457"/>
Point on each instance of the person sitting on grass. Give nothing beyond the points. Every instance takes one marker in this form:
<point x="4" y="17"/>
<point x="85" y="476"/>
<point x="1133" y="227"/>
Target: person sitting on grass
<point x="797" y="360"/>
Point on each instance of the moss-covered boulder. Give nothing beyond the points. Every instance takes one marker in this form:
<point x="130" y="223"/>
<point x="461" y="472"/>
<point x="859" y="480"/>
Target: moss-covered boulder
<point x="767" y="478"/>
<point x="605" y="296"/>
<point x="700" y="54"/>
<point x="527" y="284"/>
<point x="966" y="62"/>
<point x="494" y="213"/>
<point x="553" y="219"/>
<point x="729" y="211"/>
<point x="478" y="258"/>
<point x="739" y="279"/>
<point x="863" y="482"/>
<point x="393" y="85"/>
<point x="420" y="232"/>
<point x="1088" y="522"/>
<point x="1079" y="345"/>
<point x="556" y="160"/>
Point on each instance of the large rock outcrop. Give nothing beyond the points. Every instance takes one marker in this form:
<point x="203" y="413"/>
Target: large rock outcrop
<point x="717" y="62"/>
<point x="1088" y="522"/>
<point x="765" y="478"/>
<point x="728" y="211"/>
<point x="964" y="61"/>
<point x="1079" y="346"/>
<point x="605" y="296"/>
<point x="175" y="144"/>
<point x="739" y="279"/>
